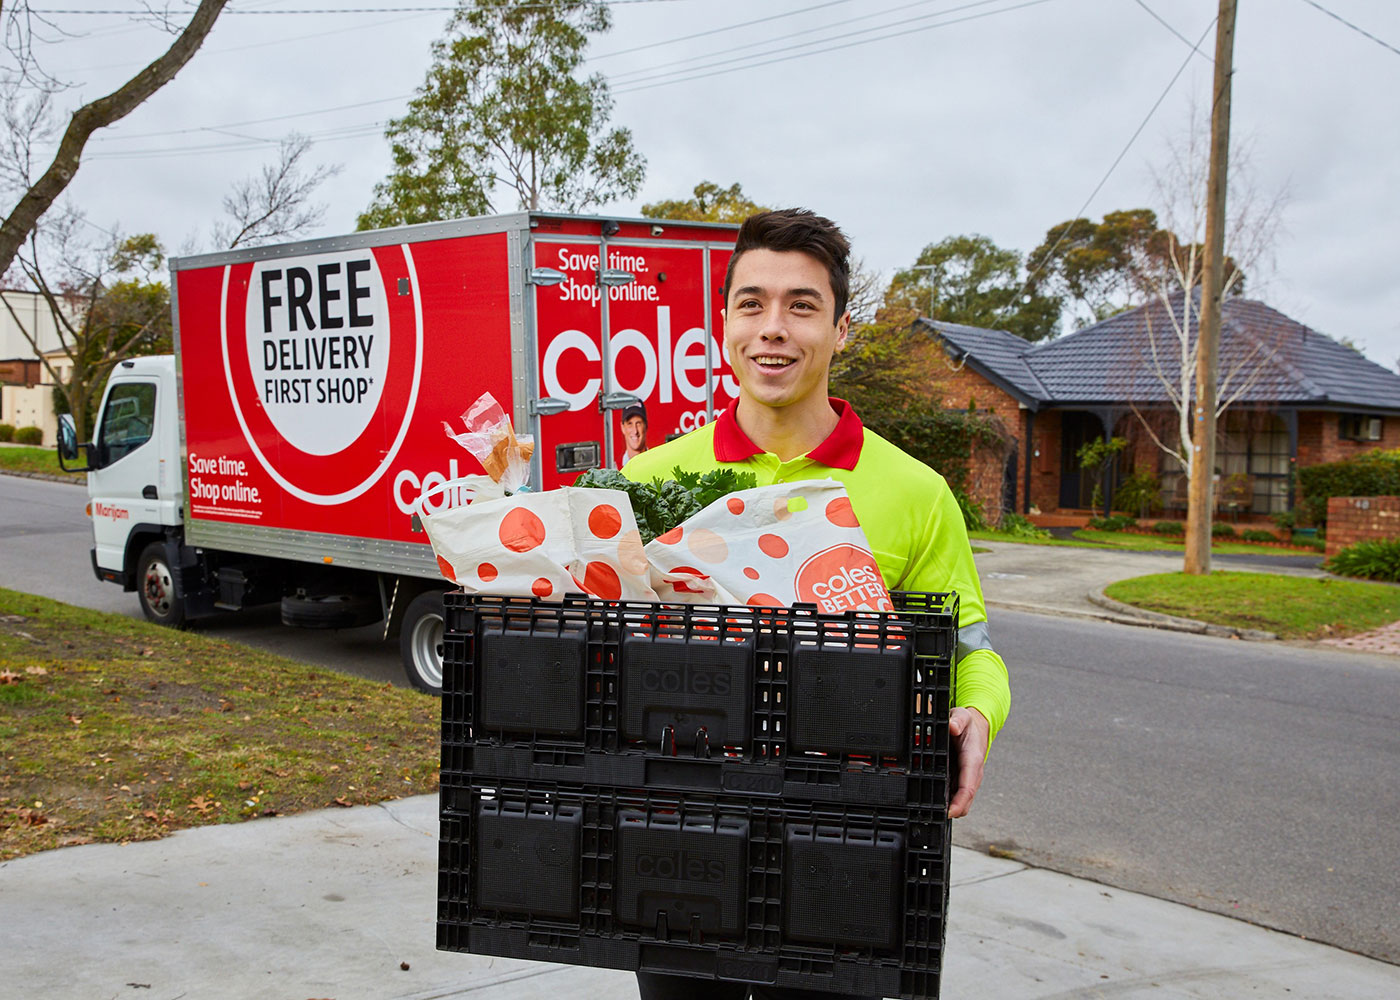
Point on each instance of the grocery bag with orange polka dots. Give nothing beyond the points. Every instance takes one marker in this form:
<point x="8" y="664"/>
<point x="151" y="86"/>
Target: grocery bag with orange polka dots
<point x="543" y="545"/>
<point x="772" y="546"/>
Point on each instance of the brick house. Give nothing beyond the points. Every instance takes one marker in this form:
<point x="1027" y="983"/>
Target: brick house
<point x="1297" y="397"/>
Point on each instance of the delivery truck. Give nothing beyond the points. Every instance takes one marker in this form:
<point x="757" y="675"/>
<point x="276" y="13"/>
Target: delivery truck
<point x="286" y="450"/>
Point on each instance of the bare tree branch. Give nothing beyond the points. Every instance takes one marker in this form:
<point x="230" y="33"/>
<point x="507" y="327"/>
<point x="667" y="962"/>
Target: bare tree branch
<point x="95" y="115"/>
<point x="275" y="204"/>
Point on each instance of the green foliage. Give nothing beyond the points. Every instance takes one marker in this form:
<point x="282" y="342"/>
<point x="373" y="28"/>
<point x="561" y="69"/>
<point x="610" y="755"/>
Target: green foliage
<point x="711" y="203"/>
<point x="1373" y="560"/>
<point x="1308" y="540"/>
<point x="502" y="105"/>
<point x="1140" y="494"/>
<point x="7" y="432"/>
<point x="1222" y="530"/>
<point x="1169" y="528"/>
<point x="1113" y="522"/>
<point x="1258" y="535"/>
<point x="972" y="281"/>
<point x="29" y="435"/>
<point x="662" y="504"/>
<point x="1095" y="456"/>
<point x="1019" y="526"/>
<point x="1285" y="519"/>
<point x="972" y="513"/>
<point x="942" y="439"/>
<point x="1103" y="268"/>
<point x="1370" y="474"/>
<point x="879" y="368"/>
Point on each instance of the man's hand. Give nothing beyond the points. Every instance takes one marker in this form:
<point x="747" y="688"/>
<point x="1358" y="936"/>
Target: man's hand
<point x="970" y="731"/>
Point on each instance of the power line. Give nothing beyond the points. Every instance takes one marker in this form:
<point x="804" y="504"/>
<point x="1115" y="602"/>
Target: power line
<point x="717" y="31"/>
<point x="644" y="85"/>
<point x="333" y="10"/>
<point x="253" y="121"/>
<point x="1353" y="27"/>
<point x="1119" y="159"/>
<point x="346" y="107"/>
<point x="1186" y="41"/>
<point x="616" y="77"/>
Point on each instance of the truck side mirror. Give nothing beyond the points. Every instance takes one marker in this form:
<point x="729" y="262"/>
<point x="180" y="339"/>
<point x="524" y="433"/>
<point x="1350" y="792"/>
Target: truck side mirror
<point x="68" y="445"/>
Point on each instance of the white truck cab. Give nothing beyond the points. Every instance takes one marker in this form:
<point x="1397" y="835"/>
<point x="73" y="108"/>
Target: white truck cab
<point x="134" y="482"/>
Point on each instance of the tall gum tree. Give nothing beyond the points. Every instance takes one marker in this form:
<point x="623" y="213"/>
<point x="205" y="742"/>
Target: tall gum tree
<point x="503" y="107"/>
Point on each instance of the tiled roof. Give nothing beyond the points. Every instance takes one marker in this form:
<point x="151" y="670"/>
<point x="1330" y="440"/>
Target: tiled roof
<point x="1265" y="359"/>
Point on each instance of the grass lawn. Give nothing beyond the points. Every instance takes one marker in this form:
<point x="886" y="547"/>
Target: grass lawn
<point x="22" y="458"/>
<point x="113" y="729"/>
<point x="1295" y="607"/>
<point x="1132" y="541"/>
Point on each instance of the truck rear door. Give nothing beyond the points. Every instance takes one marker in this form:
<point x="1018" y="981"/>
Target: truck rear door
<point x="613" y="381"/>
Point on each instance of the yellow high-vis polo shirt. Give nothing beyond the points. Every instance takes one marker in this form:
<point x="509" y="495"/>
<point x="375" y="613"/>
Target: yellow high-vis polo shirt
<point x="909" y="515"/>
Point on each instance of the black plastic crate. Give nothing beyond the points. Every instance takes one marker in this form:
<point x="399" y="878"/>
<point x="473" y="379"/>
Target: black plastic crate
<point x="813" y="895"/>
<point x="778" y="702"/>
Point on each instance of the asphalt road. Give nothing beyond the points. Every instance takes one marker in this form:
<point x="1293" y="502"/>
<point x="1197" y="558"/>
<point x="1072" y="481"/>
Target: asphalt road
<point x="44" y="541"/>
<point x="1257" y="780"/>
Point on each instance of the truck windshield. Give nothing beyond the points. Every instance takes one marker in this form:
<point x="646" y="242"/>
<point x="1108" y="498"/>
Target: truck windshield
<point x="127" y="419"/>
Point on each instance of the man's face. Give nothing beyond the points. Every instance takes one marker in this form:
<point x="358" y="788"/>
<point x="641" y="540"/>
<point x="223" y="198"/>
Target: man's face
<point x="780" y="326"/>
<point x="634" y="433"/>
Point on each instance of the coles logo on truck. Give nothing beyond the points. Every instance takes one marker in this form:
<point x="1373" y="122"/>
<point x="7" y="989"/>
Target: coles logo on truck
<point x="324" y="364"/>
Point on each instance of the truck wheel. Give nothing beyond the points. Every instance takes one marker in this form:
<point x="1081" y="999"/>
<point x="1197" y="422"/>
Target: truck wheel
<point x="155" y="586"/>
<point x="330" y="610"/>
<point x="420" y="641"/>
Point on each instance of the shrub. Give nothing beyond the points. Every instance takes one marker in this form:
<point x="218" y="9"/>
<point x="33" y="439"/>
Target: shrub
<point x="1140" y="494"/>
<point x="971" y="511"/>
<point x="1114" y="522"/>
<point x="1020" y="526"/>
<point x="1308" y="541"/>
<point x="1374" y="560"/>
<point x="1258" y="535"/>
<point x="1286" y="520"/>
<point x="1222" y="530"/>
<point x="7" y="432"/>
<point x="29" y="435"/>
<point x="1372" y="474"/>
<point x="1169" y="528"/>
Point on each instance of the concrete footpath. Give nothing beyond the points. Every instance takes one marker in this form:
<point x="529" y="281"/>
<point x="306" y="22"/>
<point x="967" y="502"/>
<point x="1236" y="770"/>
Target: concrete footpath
<point x="341" y="904"/>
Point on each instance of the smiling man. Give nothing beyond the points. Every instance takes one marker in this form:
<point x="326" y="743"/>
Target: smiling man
<point x="785" y="317"/>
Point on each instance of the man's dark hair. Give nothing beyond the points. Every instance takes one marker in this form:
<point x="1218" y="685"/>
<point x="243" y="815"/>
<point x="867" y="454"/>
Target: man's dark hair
<point x="798" y="229"/>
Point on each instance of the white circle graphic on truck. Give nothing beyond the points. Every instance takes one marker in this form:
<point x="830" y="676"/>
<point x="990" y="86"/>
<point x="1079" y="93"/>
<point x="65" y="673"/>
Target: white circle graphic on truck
<point x="318" y="346"/>
<point x="323" y="365"/>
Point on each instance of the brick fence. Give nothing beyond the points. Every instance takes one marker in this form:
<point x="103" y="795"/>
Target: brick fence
<point x="1360" y="519"/>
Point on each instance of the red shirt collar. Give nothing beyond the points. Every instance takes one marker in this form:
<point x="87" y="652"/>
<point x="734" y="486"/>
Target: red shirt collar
<point x="841" y="449"/>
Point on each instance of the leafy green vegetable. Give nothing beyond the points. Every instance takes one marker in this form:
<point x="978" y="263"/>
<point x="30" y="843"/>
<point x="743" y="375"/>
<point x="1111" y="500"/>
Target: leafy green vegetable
<point x="662" y="504"/>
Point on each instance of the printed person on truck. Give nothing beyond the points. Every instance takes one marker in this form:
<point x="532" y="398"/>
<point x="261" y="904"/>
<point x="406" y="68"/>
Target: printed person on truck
<point x="785" y="317"/>
<point x="634" y="432"/>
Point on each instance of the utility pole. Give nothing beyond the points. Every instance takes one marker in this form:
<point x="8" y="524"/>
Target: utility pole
<point x="1199" y="503"/>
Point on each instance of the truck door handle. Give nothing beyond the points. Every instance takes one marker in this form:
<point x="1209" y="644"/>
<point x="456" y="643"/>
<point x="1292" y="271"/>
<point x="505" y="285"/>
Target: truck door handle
<point x="149" y="493"/>
<point x="618" y="401"/>
<point x="548" y="406"/>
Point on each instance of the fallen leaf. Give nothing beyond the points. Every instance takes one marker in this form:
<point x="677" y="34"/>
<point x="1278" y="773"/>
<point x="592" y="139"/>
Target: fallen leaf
<point x="343" y="803"/>
<point x="9" y="677"/>
<point x="36" y="671"/>
<point x="203" y="805"/>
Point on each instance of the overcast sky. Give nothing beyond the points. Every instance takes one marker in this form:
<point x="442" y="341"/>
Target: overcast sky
<point x="905" y="122"/>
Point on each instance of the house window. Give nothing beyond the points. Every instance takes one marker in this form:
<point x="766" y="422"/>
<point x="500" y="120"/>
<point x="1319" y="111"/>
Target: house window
<point x="1253" y="462"/>
<point x="1355" y="427"/>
